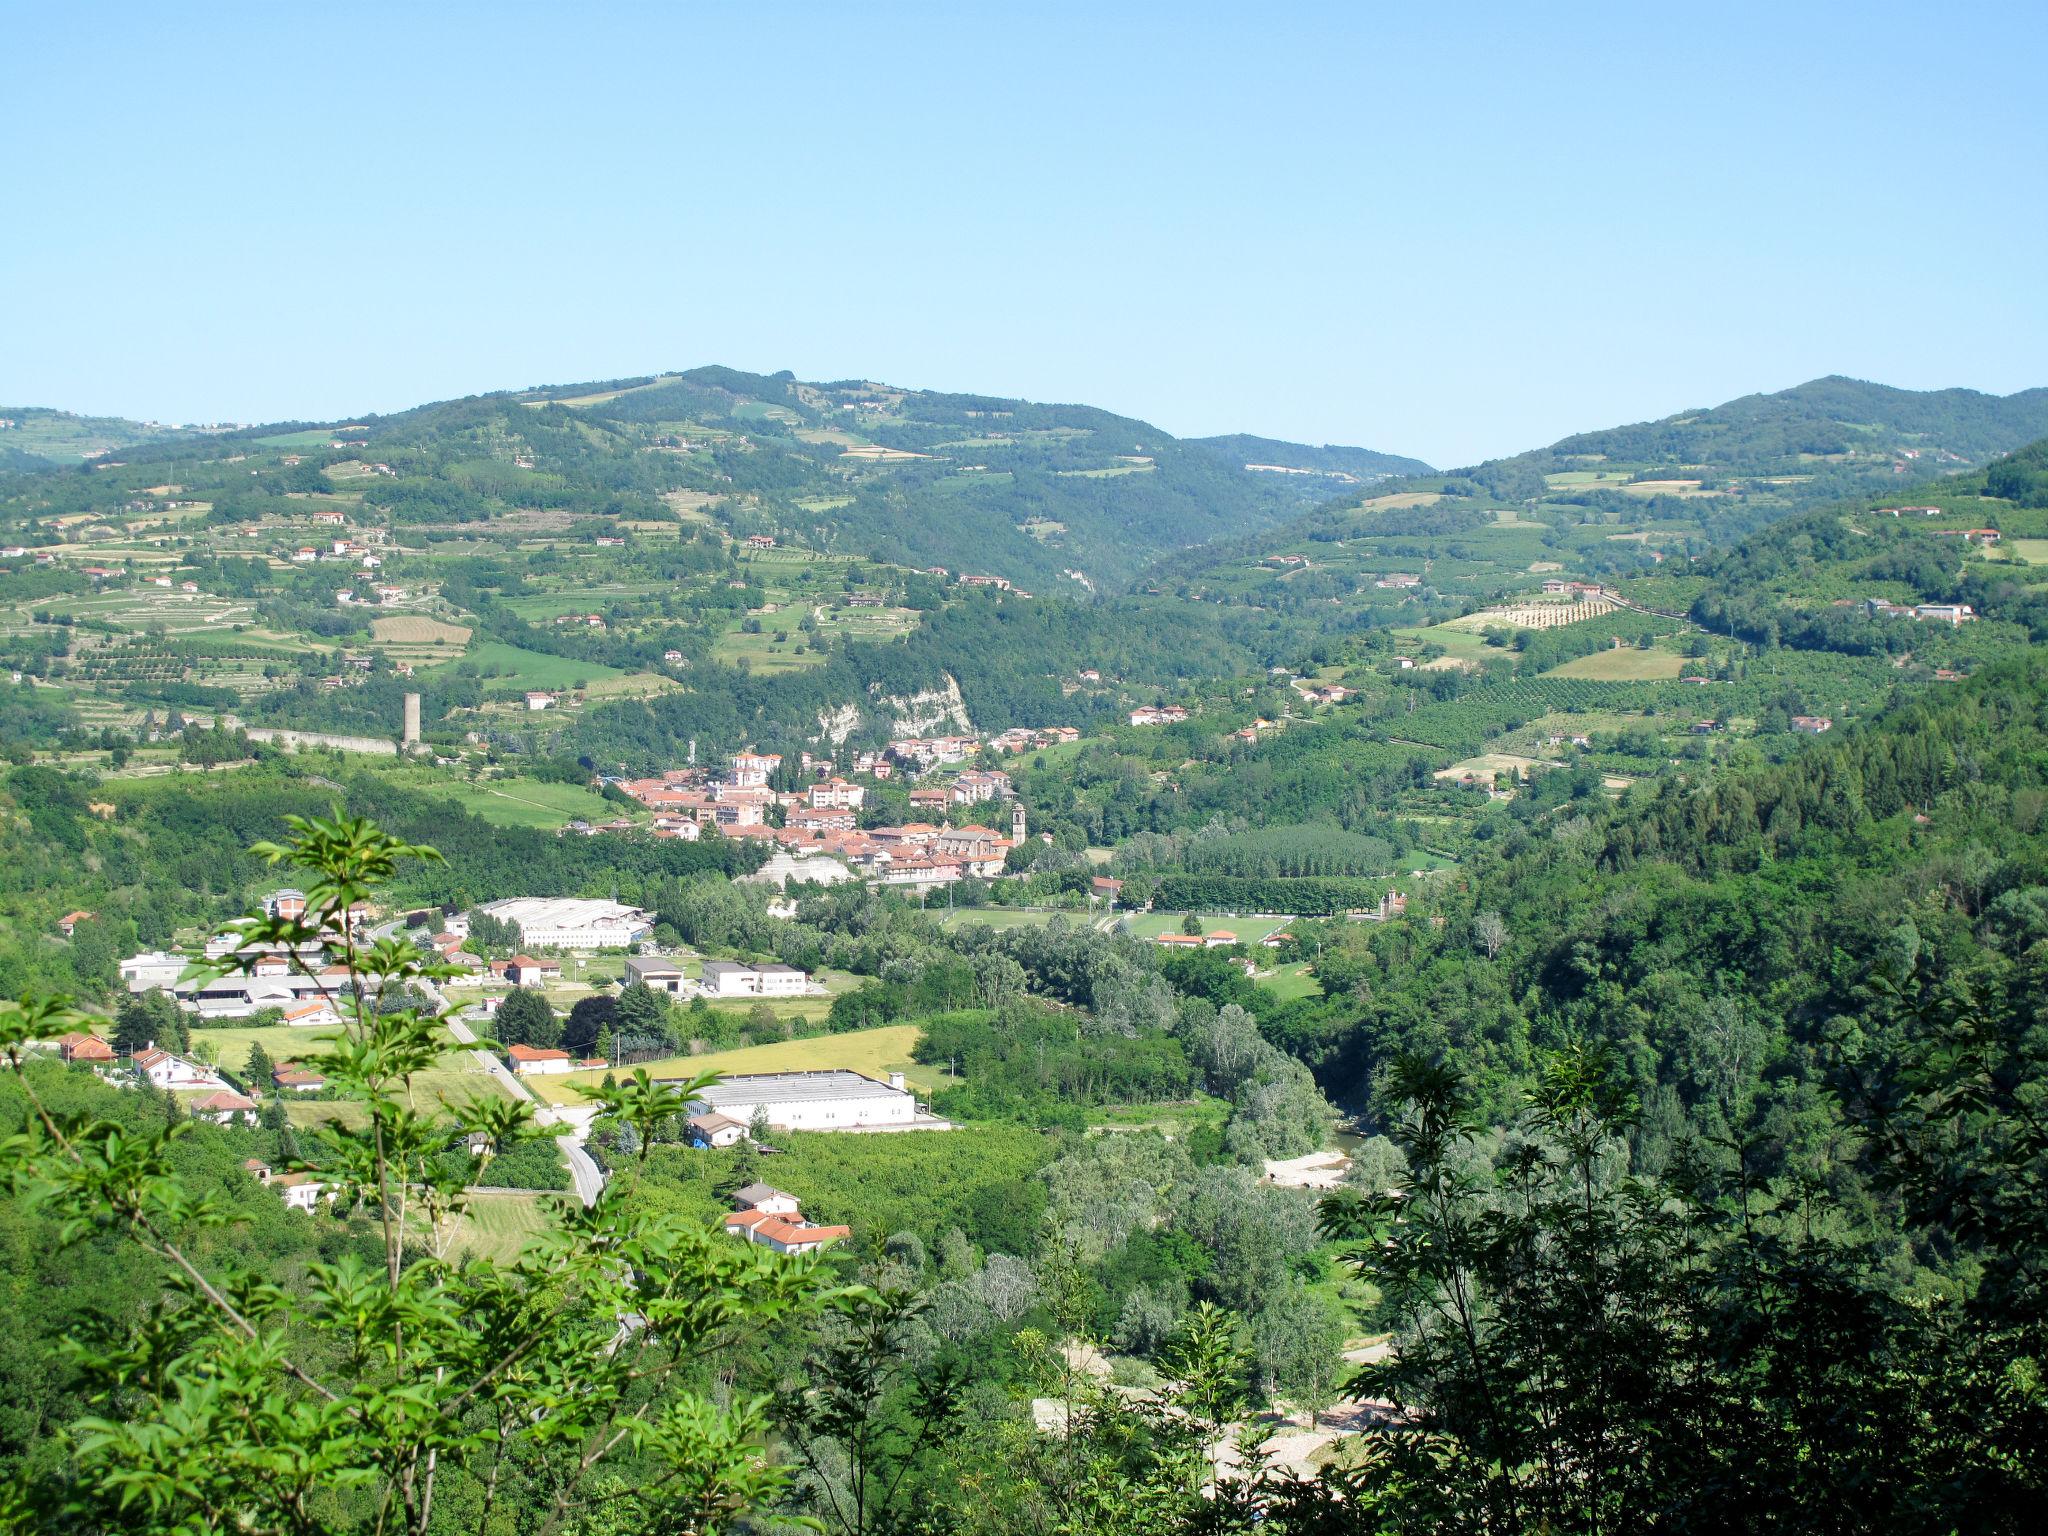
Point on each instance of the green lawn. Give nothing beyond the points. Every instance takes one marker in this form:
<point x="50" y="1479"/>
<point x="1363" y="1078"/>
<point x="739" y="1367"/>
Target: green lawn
<point x="1289" y="982"/>
<point x="875" y="1052"/>
<point x="497" y="1226"/>
<point x="763" y="654"/>
<point x="1464" y="644"/>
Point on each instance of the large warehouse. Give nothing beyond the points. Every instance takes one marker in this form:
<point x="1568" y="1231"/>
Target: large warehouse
<point x="568" y="922"/>
<point x="836" y="1100"/>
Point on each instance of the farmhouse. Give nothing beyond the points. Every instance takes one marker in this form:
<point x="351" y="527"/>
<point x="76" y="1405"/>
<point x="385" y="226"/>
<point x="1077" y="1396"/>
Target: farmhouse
<point x="168" y="1071"/>
<point x="730" y="978"/>
<point x="302" y="1191"/>
<point x="1158" y="714"/>
<point x="290" y="1077"/>
<point x="525" y="971"/>
<point x="224" y="1107"/>
<point x="536" y="699"/>
<point x="1945" y="613"/>
<point x="782" y="1228"/>
<point x="83" y="1047"/>
<point x="572" y="922"/>
<point x="1811" y="725"/>
<point x="834" y="1100"/>
<point x="532" y="1061"/>
<point x="712" y="1129"/>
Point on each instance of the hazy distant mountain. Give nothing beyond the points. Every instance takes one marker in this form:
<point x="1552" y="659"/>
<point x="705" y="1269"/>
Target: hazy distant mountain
<point x="1330" y="459"/>
<point x="34" y="437"/>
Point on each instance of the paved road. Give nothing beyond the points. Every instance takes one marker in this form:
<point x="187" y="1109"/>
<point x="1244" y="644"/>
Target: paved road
<point x="583" y="1170"/>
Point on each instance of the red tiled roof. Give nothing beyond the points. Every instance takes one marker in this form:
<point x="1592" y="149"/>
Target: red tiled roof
<point x="221" y="1100"/>
<point x="534" y="1053"/>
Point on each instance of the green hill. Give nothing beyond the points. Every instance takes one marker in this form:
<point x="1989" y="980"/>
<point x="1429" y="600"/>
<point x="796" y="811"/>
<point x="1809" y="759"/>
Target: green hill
<point x="1817" y="442"/>
<point x="1042" y="495"/>
<point x="33" y="437"/>
<point x="1330" y="460"/>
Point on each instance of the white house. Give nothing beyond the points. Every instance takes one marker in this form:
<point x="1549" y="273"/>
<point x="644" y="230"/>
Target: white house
<point x="766" y="1199"/>
<point x="301" y="1191"/>
<point x="835" y="1100"/>
<point x="532" y="1061"/>
<point x="224" y="1107"/>
<point x="711" y="1129"/>
<point x="785" y="1234"/>
<point x="168" y="1071"/>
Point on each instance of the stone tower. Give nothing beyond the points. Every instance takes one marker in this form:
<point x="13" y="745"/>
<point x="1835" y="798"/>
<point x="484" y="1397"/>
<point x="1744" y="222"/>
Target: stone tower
<point x="1017" y="821"/>
<point x="412" y="720"/>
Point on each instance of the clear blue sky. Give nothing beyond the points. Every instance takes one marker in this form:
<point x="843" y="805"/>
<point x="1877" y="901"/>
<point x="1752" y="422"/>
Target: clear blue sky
<point x="1452" y="230"/>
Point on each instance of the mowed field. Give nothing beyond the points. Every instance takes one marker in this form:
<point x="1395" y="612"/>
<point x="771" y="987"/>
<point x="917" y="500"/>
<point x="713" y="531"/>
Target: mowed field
<point x="1249" y="927"/>
<point x="497" y="1225"/>
<point x="457" y="1076"/>
<point x="415" y="638"/>
<point x="873" y="1052"/>
<point x="514" y="802"/>
<point x="1290" y="982"/>
<point x="1627" y="665"/>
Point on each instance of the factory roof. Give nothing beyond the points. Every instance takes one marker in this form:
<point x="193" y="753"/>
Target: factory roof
<point x="791" y="1088"/>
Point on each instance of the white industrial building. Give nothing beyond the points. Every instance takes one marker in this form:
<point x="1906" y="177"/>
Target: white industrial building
<point x="567" y="922"/>
<point x="729" y="978"/>
<point x="836" y="1100"/>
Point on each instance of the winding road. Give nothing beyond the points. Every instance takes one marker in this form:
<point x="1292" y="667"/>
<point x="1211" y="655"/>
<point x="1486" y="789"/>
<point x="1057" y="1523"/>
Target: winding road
<point x="583" y="1170"/>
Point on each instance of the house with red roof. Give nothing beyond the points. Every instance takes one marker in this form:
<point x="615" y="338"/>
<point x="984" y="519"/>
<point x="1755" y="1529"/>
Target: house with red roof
<point x="535" y="1061"/>
<point x="773" y="1218"/>
<point x="224" y="1106"/>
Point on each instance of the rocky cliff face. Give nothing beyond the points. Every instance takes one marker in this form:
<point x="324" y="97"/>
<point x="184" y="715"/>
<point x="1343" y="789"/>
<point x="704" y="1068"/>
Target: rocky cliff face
<point x="921" y="714"/>
<point x="912" y="714"/>
<point x="835" y="725"/>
